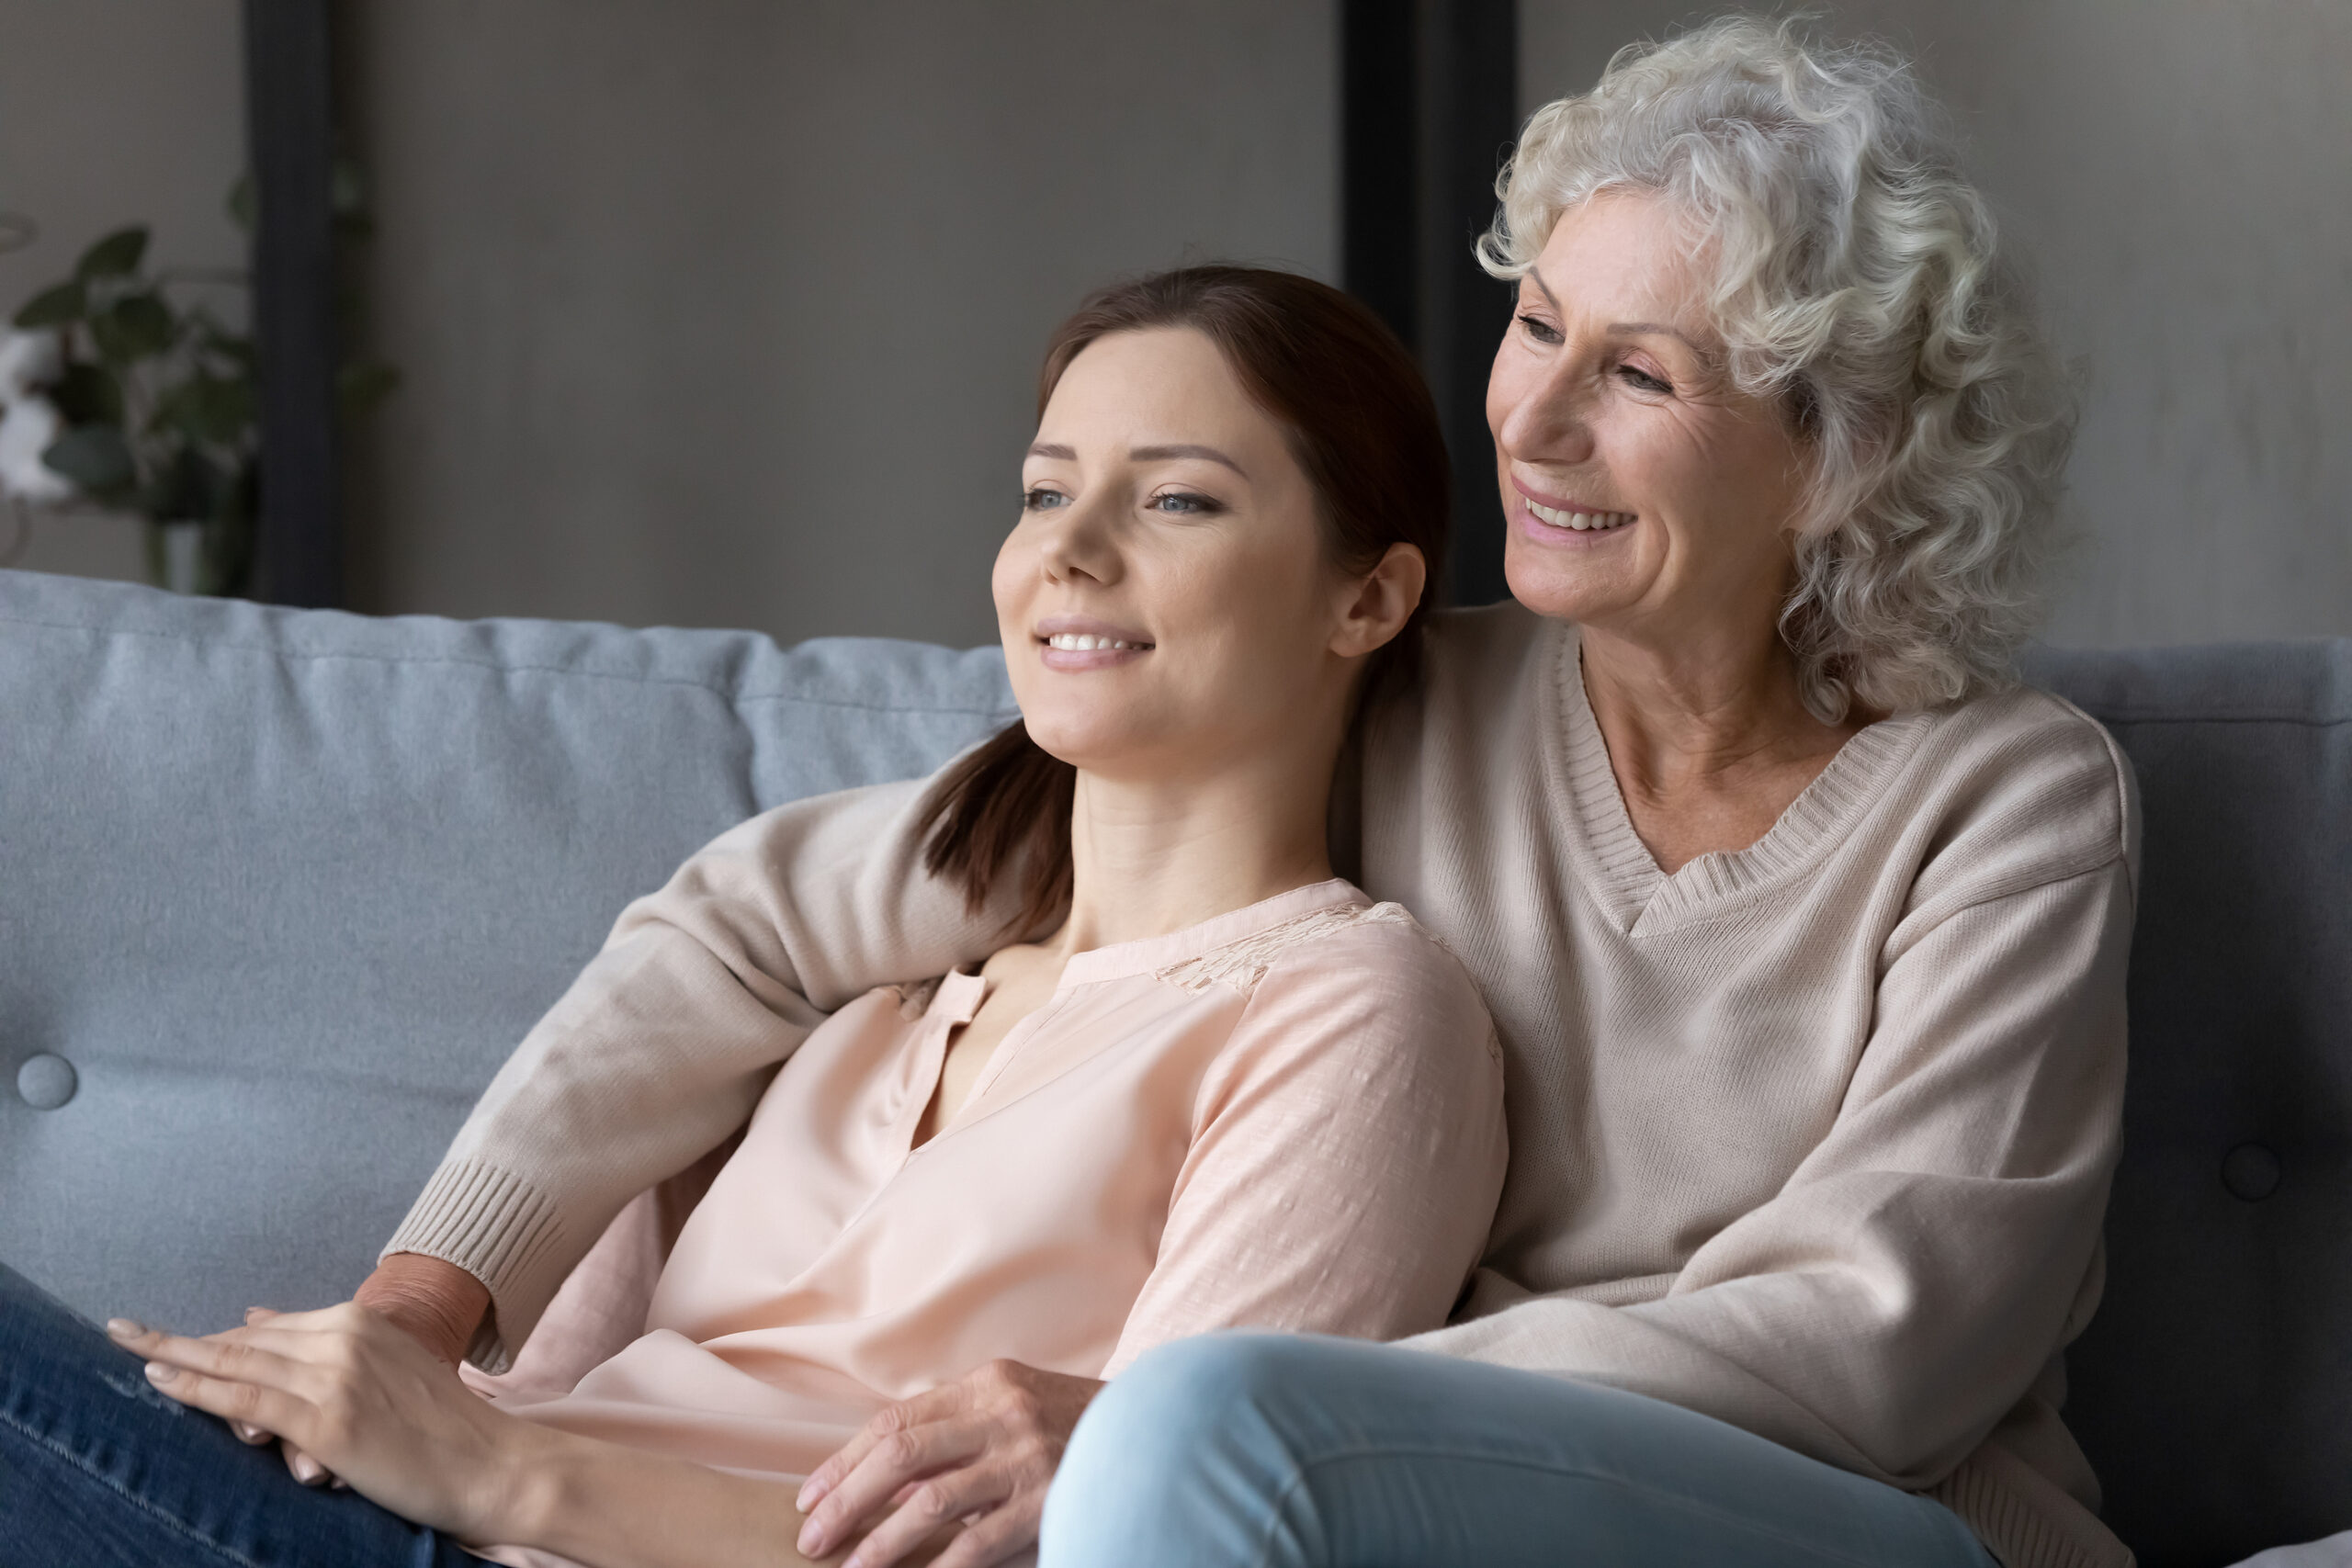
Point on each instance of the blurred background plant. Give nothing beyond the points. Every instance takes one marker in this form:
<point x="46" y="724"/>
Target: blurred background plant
<point x="120" y="392"/>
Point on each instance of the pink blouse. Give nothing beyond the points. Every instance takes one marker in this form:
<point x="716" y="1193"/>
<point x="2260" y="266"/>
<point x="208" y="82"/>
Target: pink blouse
<point x="1287" y="1117"/>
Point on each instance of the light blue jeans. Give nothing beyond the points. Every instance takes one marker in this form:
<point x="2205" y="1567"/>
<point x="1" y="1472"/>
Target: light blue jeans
<point x="1257" y="1449"/>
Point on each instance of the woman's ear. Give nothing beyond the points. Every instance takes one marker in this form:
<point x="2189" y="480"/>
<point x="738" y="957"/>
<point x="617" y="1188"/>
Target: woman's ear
<point x="1380" y="602"/>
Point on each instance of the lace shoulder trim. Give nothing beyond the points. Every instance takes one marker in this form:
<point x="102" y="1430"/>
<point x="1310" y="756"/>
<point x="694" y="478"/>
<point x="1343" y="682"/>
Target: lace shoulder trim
<point x="1242" y="964"/>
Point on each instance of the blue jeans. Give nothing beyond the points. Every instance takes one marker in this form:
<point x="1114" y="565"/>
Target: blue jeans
<point x="99" y="1470"/>
<point x="1274" y="1450"/>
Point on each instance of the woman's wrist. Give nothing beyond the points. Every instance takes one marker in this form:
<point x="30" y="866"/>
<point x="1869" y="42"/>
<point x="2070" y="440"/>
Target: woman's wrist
<point x="536" y="1476"/>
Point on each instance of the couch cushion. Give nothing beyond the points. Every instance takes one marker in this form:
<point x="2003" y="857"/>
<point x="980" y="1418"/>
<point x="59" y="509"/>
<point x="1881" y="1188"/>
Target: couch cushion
<point x="2212" y="1390"/>
<point x="282" y="888"/>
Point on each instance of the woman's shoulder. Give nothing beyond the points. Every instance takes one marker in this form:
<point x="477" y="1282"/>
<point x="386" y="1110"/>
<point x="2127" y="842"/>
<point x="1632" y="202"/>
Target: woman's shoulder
<point x="1347" y="938"/>
<point x="1354" y="959"/>
<point x="2024" y="788"/>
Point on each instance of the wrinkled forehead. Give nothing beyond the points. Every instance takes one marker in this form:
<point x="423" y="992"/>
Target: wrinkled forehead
<point x="1632" y="257"/>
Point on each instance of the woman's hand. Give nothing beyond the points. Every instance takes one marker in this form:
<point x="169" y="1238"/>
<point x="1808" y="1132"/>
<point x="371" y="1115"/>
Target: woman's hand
<point x="982" y="1448"/>
<point x="360" y="1396"/>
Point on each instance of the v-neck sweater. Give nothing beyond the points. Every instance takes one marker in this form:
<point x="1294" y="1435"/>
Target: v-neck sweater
<point x="1814" y="1136"/>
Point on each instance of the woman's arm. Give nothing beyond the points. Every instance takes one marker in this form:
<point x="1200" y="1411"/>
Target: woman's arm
<point x="1347" y="1152"/>
<point x="1913" y="1279"/>
<point x="663" y="1045"/>
<point x="348" y="1387"/>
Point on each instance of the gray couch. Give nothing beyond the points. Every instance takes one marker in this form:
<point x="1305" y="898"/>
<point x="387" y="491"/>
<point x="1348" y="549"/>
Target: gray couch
<point x="279" y="889"/>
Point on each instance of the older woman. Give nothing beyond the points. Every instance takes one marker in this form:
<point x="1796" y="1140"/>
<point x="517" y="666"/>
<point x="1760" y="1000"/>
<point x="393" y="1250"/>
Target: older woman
<point x="1803" y="927"/>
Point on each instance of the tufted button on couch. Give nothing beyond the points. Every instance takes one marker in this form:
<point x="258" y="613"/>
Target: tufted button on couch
<point x="278" y="890"/>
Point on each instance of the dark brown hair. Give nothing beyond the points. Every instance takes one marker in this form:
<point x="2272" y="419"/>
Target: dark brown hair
<point x="1362" y="426"/>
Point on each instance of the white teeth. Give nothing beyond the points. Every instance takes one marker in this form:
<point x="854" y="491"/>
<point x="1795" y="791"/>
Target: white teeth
<point x="1078" y="642"/>
<point x="1582" y="522"/>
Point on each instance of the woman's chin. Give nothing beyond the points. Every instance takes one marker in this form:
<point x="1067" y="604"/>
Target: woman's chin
<point x="1558" y="590"/>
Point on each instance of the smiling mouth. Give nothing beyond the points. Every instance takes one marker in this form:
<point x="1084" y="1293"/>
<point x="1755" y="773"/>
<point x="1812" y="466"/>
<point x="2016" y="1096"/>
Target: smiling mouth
<point x="1582" y="522"/>
<point x="1079" y="642"/>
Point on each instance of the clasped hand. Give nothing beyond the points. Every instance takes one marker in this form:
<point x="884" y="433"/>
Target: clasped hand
<point x="982" y="1448"/>
<point x="347" y="1388"/>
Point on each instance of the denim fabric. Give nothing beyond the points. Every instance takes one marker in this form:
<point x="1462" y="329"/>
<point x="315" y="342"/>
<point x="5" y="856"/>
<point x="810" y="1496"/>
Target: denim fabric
<point x="99" y="1470"/>
<point x="1273" y="1451"/>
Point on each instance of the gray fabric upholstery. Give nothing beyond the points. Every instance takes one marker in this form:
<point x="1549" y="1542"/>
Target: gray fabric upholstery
<point x="2214" y="1389"/>
<point x="283" y="889"/>
<point x="278" y="890"/>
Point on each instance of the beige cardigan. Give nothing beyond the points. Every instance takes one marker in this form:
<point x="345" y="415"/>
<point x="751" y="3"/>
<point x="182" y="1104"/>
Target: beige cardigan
<point x="1813" y="1137"/>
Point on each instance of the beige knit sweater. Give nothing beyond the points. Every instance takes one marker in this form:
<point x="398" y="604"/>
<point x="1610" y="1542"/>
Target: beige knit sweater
<point x="1813" y="1137"/>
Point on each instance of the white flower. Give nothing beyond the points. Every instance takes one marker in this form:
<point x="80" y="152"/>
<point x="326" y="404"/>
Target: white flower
<point x="25" y="430"/>
<point x="28" y="361"/>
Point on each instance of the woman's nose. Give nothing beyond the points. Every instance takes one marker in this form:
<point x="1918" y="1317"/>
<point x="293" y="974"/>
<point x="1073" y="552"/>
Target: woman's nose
<point x="1078" y="543"/>
<point x="1548" y="420"/>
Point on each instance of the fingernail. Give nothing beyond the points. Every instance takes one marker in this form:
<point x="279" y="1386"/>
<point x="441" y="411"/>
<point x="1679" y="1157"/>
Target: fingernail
<point x="246" y="1432"/>
<point x="812" y="1539"/>
<point x="124" y="1328"/>
<point x="158" y="1373"/>
<point x="813" y="1492"/>
<point x="307" y="1469"/>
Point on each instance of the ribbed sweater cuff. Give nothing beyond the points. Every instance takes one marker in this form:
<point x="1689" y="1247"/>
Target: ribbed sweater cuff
<point x="503" y="1231"/>
<point x="2023" y="1518"/>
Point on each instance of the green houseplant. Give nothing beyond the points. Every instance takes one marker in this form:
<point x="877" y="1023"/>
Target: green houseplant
<point x="154" y="402"/>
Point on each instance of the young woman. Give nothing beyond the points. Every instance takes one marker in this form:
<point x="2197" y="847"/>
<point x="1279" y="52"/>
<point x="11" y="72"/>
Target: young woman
<point x="1203" y="1084"/>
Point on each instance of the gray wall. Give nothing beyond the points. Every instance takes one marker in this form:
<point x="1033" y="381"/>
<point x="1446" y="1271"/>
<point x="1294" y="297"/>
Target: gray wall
<point x="114" y="112"/>
<point x="724" y="311"/>
<point x="2181" y="173"/>
<point x="729" y="312"/>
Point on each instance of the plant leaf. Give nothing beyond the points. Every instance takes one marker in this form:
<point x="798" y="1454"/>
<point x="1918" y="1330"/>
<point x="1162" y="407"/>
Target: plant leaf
<point x="87" y="394"/>
<point x="135" y="327"/>
<point x="217" y="409"/>
<point x="95" y="457"/>
<point x="117" y="255"/>
<point x="58" y="307"/>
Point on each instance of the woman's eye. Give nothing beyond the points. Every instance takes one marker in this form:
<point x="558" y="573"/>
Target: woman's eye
<point x="1642" y="380"/>
<point x="1541" y="329"/>
<point x="1184" y="504"/>
<point x="1041" y="500"/>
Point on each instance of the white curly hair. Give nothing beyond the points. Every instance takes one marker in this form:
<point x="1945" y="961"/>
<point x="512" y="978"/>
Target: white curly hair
<point x="1855" y="280"/>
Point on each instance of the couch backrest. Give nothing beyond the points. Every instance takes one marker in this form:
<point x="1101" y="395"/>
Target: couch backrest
<point x="2213" y="1390"/>
<point x="280" y="890"/>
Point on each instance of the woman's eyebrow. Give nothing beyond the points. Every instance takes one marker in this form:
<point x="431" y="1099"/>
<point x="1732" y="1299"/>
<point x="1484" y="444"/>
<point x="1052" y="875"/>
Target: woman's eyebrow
<point x="1161" y="453"/>
<point x="1628" y="329"/>
<point x="1049" y="449"/>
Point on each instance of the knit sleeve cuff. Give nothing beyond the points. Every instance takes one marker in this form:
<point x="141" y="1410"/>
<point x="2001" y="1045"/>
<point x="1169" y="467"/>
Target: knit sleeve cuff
<point x="504" y="1232"/>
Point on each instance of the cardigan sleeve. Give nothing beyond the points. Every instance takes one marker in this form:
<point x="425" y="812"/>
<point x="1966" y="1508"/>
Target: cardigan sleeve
<point x="1347" y="1151"/>
<point x="1900" y="1293"/>
<point x="662" y="1045"/>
